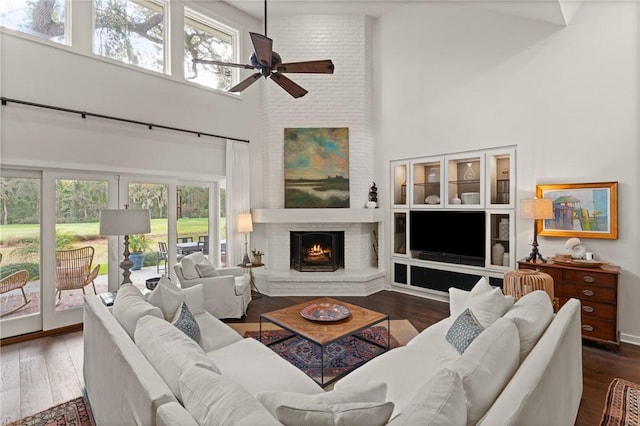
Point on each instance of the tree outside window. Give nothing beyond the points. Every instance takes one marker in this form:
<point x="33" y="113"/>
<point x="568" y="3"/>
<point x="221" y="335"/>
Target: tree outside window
<point x="130" y="31"/>
<point x="39" y="18"/>
<point x="205" y="39"/>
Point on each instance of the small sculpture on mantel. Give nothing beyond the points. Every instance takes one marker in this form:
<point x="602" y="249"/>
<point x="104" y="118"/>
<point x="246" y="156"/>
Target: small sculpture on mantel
<point x="373" y="194"/>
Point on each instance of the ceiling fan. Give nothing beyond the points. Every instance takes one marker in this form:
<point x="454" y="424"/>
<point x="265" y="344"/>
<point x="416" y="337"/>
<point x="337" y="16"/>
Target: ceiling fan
<point x="269" y="64"/>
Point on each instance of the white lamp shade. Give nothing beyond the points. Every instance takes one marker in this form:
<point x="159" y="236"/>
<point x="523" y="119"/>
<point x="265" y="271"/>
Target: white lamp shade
<point x="125" y="222"/>
<point x="537" y="208"/>
<point x="245" y="224"/>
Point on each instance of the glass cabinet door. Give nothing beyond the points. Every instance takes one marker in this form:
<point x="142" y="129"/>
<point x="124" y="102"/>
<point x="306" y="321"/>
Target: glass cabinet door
<point x="500" y="178"/>
<point x="465" y="181"/>
<point x="500" y="230"/>
<point x="400" y="233"/>
<point x="427" y="183"/>
<point x="399" y="175"/>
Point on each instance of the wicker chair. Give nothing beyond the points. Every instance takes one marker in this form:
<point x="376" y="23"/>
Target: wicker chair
<point x="73" y="270"/>
<point x="15" y="281"/>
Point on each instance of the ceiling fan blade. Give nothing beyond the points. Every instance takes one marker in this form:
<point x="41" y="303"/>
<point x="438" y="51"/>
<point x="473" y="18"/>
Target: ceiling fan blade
<point x="263" y="47"/>
<point x="224" y="64"/>
<point x="292" y="88"/>
<point x="319" y="67"/>
<point x="246" y="82"/>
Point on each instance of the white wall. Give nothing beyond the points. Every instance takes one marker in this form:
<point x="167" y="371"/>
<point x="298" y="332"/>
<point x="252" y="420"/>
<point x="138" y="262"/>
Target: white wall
<point x="74" y="78"/>
<point x="454" y="78"/>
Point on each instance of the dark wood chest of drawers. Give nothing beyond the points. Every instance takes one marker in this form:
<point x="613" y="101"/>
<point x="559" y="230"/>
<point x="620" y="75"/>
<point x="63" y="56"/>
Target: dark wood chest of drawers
<point x="597" y="289"/>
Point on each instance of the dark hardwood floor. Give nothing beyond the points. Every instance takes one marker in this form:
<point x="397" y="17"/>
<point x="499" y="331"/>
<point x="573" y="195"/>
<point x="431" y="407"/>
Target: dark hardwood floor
<point x="600" y="365"/>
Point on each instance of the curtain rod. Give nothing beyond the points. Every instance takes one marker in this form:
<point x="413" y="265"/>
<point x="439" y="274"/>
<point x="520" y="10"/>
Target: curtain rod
<point x="84" y="114"/>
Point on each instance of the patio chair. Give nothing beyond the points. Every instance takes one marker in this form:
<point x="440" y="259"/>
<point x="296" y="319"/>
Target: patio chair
<point x="163" y="255"/>
<point x="185" y="239"/>
<point x="15" y="281"/>
<point x="73" y="270"/>
<point x="203" y="243"/>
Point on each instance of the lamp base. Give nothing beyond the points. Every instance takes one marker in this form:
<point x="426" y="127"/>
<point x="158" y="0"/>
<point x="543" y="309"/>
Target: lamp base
<point x="246" y="260"/>
<point x="535" y="255"/>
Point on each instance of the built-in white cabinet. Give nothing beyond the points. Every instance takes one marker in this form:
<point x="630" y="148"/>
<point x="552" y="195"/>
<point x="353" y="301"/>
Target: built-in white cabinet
<point x="480" y="183"/>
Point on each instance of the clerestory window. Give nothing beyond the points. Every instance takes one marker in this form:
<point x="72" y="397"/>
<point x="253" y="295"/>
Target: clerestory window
<point x="209" y="40"/>
<point x="131" y="31"/>
<point x="46" y="19"/>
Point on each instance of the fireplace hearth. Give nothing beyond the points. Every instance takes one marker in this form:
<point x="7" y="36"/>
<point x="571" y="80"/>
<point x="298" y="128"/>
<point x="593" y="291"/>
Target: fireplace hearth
<point x="317" y="251"/>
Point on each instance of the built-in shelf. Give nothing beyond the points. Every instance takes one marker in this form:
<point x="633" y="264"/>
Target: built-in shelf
<point x="317" y="215"/>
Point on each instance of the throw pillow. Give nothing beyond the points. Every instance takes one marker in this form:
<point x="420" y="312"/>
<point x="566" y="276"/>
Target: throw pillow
<point x="213" y="400"/>
<point x="487" y="366"/>
<point x="205" y="270"/>
<point x="168" y="297"/>
<point x="185" y="322"/>
<point x="458" y="298"/>
<point x="194" y="296"/>
<point x="463" y="331"/>
<point x="189" y="270"/>
<point x="532" y="314"/>
<point x="271" y="400"/>
<point x="350" y="413"/>
<point x="488" y="306"/>
<point x="129" y="306"/>
<point x="440" y="402"/>
<point x="169" y="351"/>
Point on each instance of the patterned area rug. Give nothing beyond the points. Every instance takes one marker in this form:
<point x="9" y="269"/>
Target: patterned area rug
<point x="621" y="405"/>
<point x="71" y="413"/>
<point x="339" y="357"/>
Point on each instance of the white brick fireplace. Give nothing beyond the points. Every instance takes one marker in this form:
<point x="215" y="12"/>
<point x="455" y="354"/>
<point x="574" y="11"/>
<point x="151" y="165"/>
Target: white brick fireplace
<point x="342" y="99"/>
<point x="361" y="274"/>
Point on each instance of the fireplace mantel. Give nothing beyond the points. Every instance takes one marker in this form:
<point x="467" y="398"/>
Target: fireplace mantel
<point x="317" y="215"/>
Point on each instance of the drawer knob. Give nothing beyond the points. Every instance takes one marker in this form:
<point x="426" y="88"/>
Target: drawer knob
<point x="587" y="309"/>
<point x="588" y="292"/>
<point x="588" y="279"/>
<point x="587" y="328"/>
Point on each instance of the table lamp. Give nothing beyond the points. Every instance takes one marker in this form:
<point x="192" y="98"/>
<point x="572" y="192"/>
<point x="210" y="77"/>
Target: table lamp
<point x="245" y="225"/>
<point x="125" y="222"/>
<point x="537" y="209"/>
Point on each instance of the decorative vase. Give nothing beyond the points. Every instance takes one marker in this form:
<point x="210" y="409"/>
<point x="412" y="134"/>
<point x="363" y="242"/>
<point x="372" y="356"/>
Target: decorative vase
<point x="505" y="259"/>
<point x="497" y="253"/>
<point x="503" y="229"/>
<point x="137" y="259"/>
<point x="456" y="200"/>
<point x="432" y="177"/>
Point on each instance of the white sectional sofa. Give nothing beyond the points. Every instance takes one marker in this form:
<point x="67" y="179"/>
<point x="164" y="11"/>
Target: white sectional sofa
<point x="141" y="369"/>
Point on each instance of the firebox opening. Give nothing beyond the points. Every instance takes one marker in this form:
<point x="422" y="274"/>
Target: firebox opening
<point x="313" y="251"/>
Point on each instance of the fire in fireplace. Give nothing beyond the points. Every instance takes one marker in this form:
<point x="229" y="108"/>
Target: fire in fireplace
<point x="313" y="251"/>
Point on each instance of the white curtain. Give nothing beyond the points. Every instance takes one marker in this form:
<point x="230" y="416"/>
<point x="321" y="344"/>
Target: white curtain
<point x="238" y="200"/>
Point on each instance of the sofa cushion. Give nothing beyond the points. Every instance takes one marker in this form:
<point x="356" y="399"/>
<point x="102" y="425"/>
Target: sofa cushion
<point x="129" y="306"/>
<point x="166" y="296"/>
<point x="440" y="402"/>
<point x="206" y="269"/>
<point x="487" y="366"/>
<point x="185" y="322"/>
<point x="194" y="296"/>
<point x="532" y="314"/>
<point x="213" y="400"/>
<point x="169" y="350"/>
<point x="271" y="400"/>
<point x="342" y="414"/>
<point x="463" y="331"/>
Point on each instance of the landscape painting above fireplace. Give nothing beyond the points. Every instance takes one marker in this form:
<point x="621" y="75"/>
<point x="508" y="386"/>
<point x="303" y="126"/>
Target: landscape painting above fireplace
<point x="316" y="168"/>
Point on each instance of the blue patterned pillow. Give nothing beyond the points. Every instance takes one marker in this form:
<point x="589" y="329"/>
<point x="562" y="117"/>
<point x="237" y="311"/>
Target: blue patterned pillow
<point x="186" y="323"/>
<point x="463" y="331"/>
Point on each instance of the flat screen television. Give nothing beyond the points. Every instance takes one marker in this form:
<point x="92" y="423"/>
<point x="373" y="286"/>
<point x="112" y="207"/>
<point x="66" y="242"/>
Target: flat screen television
<point x="448" y="236"/>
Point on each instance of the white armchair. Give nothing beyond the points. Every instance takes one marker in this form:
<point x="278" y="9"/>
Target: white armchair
<point x="227" y="291"/>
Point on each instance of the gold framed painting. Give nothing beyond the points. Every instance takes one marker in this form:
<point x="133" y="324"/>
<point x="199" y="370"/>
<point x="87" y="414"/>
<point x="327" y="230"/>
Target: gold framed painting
<point x="583" y="210"/>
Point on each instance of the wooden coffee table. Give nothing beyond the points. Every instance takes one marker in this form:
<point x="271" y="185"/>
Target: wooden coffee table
<point x="323" y="333"/>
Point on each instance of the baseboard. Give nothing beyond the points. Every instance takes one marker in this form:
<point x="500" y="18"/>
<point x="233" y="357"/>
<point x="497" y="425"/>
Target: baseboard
<point x="630" y="338"/>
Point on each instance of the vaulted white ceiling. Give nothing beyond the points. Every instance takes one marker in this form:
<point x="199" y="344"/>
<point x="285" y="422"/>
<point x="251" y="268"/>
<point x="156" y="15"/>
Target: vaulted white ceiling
<point x="557" y="12"/>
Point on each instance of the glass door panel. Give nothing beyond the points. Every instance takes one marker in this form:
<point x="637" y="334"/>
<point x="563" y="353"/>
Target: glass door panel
<point x="20" y="207"/>
<point x="78" y="245"/>
<point x="193" y="219"/>
<point x="146" y="252"/>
